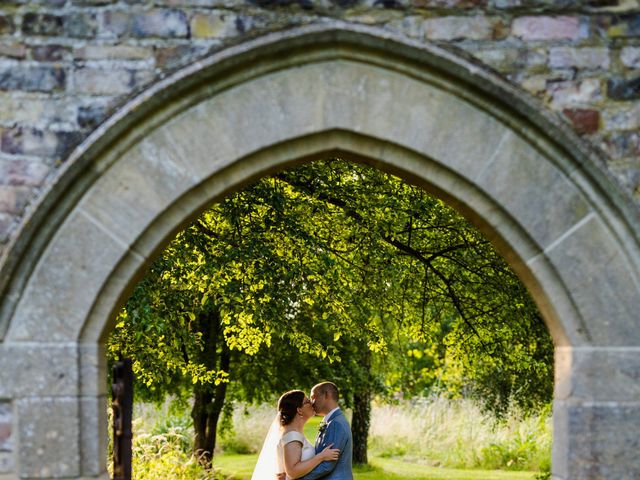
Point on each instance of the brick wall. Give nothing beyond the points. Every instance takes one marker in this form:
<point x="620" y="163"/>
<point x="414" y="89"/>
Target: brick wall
<point x="65" y="65"/>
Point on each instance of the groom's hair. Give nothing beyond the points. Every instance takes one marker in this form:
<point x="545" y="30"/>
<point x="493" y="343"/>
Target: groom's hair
<point x="328" y="388"/>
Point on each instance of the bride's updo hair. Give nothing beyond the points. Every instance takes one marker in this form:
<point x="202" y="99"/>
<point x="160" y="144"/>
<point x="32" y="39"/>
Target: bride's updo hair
<point x="289" y="404"/>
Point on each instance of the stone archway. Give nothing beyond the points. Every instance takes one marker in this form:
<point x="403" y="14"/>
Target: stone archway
<point x="417" y="111"/>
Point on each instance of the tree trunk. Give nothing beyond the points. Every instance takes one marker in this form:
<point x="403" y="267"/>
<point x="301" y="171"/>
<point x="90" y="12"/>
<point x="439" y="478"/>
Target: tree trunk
<point x="209" y="399"/>
<point x="360" y="426"/>
<point x="201" y="401"/>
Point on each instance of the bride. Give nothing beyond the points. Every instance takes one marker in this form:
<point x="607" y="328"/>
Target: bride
<point x="286" y="449"/>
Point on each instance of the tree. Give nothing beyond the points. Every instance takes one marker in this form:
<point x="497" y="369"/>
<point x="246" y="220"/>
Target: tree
<point x="335" y="260"/>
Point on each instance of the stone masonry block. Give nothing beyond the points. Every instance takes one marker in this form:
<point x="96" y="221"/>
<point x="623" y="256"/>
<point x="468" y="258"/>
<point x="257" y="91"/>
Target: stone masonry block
<point x="81" y="25"/>
<point x="583" y="58"/>
<point x="32" y="78"/>
<point x="13" y="199"/>
<point x="508" y="179"/>
<point x="615" y="26"/>
<point x="219" y="24"/>
<point x="623" y="88"/>
<point x="22" y="172"/>
<point x="48" y="432"/>
<point x="13" y="50"/>
<point x="575" y="93"/>
<point x="6" y="24"/>
<point x="93" y="369"/>
<point x="94" y="435"/>
<point x="597" y="374"/>
<point x="42" y="24"/>
<point x="79" y="259"/>
<point x="169" y="23"/>
<point x="630" y="57"/>
<point x="160" y="23"/>
<point x="113" y="52"/>
<point x="108" y="81"/>
<point x="583" y="120"/>
<point x="45" y="370"/>
<point x="549" y="28"/>
<point x="454" y="28"/>
<point x="6" y="222"/>
<point x="177" y="56"/>
<point x="6" y="427"/>
<point x="602" y="440"/>
<point x="28" y="141"/>
<point x="621" y="117"/>
<point x="50" y="53"/>
<point x="604" y="292"/>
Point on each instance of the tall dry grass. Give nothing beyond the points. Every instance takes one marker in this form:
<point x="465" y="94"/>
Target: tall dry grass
<point x="438" y="432"/>
<point x="458" y="434"/>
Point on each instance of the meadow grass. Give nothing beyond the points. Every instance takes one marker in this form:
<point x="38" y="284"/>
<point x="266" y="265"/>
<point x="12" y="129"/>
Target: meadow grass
<point x="419" y="440"/>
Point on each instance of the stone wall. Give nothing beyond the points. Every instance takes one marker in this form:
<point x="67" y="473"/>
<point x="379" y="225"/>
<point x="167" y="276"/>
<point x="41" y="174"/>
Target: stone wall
<point x="65" y="65"/>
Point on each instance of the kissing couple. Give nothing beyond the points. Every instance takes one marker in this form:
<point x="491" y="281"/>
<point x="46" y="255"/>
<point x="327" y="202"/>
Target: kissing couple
<point x="287" y="454"/>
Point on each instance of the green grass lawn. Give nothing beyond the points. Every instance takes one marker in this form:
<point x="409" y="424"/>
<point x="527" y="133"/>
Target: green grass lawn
<point x="240" y="467"/>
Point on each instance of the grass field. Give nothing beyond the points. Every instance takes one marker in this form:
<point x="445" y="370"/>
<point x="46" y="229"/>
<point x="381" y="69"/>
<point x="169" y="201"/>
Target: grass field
<point x="414" y="441"/>
<point x="240" y="467"/>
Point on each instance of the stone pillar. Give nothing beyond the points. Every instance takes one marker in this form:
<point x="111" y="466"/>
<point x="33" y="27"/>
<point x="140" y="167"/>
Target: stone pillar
<point x="39" y="410"/>
<point x="597" y="413"/>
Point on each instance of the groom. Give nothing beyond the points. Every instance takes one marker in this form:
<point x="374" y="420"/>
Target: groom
<point x="334" y="430"/>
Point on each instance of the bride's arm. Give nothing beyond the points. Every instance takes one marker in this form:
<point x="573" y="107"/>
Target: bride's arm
<point x="295" y="468"/>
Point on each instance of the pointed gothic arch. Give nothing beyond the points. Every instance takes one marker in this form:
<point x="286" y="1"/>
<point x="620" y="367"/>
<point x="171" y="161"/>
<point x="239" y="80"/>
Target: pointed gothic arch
<point x="419" y="111"/>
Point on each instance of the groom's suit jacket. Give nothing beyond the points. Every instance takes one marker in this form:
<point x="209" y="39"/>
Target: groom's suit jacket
<point x="338" y="433"/>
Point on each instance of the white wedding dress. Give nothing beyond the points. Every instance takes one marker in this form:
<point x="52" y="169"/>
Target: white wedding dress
<point x="308" y="450"/>
<point x="271" y="458"/>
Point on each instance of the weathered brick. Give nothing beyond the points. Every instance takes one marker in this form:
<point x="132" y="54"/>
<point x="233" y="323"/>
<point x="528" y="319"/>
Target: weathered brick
<point x="13" y="50"/>
<point x="50" y="53"/>
<point x="22" y="172"/>
<point x="623" y="88"/>
<point x="630" y="57"/>
<point x="6" y="420"/>
<point x="627" y="25"/>
<point x="6" y="224"/>
<point x="584" y="121"/>
<point x="115" y="52"/>
<point x="81" y="25"/>
<point x="111" y="81"/>
<point x="510" y="59"/>
<point x="91" y="116"/>
<point x="116" y="24"/>
<point x="6" y="24"/>
<point x="575" y="93"/>
<point x="623" y="117"/>
<point x="584" y="58"/>
<point x="173" y="57"/>
<point x="214" y="25"/>
<point x="622" y="144"/>
<point x="92" y="3"/>
<point x="28" y="141"/>
<point x="549" y="28"/>
<point x="14" y="199"/>
<point x="32" y="79"/>
<point x="67" y="141"/>
<point x="155" y="23"/>
<point x="42" y="24"/>
<point x="457" y="28"/>
<point x="160" y="23"/>
<point x="453" y="4"/>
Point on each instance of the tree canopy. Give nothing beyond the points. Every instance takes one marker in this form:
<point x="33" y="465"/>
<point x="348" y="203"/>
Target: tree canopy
<point x="333" y="269"/>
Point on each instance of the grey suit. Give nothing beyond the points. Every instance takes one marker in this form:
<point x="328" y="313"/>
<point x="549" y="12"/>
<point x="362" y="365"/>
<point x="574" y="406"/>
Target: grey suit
<point x="338" y="433"/>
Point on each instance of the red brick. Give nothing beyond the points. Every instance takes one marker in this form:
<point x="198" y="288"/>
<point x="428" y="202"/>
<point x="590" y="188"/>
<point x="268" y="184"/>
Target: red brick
<point x="584" y="121"/>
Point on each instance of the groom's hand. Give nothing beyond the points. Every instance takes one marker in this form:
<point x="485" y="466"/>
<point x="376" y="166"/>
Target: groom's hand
<point x="281" y="476"/>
